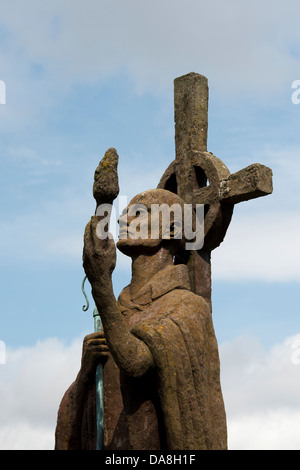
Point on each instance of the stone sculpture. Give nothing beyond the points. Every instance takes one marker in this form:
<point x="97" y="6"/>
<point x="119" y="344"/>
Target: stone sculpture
<point x="158" y="347"/>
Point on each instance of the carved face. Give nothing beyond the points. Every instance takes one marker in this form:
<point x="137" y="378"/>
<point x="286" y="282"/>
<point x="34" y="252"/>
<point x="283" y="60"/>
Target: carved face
<point x="148" y="220"/>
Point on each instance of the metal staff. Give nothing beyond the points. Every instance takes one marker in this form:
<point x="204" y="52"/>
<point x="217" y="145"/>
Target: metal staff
<point x="99" y="377"/>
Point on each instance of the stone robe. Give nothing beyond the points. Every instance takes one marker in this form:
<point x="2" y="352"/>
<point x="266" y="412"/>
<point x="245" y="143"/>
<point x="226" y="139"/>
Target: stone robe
<point x="177" y="405"/>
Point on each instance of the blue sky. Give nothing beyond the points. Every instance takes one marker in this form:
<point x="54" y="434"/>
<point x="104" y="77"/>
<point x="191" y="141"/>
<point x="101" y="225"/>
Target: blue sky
<point x="85" y="76"/>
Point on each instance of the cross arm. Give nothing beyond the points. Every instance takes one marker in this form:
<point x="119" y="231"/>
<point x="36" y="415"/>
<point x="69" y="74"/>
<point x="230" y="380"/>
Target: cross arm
<point x="253" y="181"/>
<point x="249" y="183"/>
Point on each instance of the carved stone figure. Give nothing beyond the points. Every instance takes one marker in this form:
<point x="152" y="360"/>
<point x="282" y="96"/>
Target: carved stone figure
<point x="158" y="348"/>
<point x="161" y="375"/>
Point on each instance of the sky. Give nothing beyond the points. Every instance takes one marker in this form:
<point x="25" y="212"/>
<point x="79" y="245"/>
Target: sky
<point x="81" y="77"/>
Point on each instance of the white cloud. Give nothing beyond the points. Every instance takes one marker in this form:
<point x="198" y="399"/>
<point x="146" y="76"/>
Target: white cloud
<point x="276" y="430"/>
<point x="26" y="436"/>
<point x="241" y="46"/>
<point x="260" y="246"/>
<point x="32" y="384"/>
<point x="260" y="387"/>
<point x="261" y="392"/>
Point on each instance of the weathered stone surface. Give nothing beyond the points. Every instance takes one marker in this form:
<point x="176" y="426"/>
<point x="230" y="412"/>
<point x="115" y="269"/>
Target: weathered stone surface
<point x="106" y="185"/>
<point x="161" y="377"/>
<point x="249" y="183"/>
<point x="158" y="347"/>
<point x="190" y="107"/>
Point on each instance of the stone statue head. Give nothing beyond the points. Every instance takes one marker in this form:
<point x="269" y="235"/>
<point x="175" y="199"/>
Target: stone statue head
<point x="152" y="219"/>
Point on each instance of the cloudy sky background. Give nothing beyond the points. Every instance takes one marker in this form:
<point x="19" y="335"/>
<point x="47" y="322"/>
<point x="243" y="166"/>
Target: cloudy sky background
<point x="84" y="76"/>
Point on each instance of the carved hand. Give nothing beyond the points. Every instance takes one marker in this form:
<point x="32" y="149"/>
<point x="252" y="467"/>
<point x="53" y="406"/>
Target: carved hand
<point x="99" y="255"/>
<point x="94" y="351"/>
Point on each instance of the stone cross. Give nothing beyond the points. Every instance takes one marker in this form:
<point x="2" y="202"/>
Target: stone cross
<point x="199" y="177"/>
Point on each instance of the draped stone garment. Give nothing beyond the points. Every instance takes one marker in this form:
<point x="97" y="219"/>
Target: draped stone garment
<point x="178" y="404"/>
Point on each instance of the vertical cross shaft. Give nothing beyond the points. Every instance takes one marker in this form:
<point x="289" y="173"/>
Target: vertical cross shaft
<point x="191" y="124"/>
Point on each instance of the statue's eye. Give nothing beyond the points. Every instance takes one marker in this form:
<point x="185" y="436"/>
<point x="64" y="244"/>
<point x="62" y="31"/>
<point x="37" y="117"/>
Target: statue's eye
<point x="137" y="210"/>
